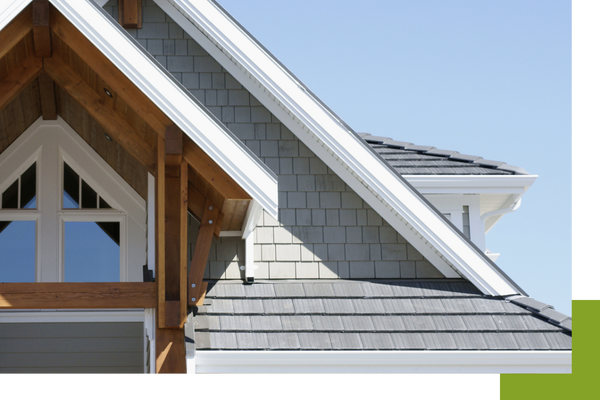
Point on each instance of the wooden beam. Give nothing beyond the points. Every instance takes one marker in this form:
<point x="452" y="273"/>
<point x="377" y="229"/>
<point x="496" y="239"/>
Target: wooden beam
<point x="15" y="31"/>
<point x="196" y="202"/>
<point x="133" y="96"/>
<point x="160" y="231"/>
<point x="41" y="28"/>
<point x="203" y="242"/>
<point x="130" y="14"/>
<point x="173" y="147"/>
<point x="47" y="97"/>
<point x="19" y="79"/>
<point x="211" y="172"/>
<point x="62" y="295"/>
<point x="100" y="111"/>
<point x="170" y="351"/>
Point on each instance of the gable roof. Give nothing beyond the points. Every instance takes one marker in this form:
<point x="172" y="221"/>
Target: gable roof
<point x="410" y="159"/>
<point x="337" y="145"/>
<point x="167" y="94"/>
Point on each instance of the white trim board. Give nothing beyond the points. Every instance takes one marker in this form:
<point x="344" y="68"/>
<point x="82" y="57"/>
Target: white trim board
<point x="75" y="315"/>
<point x="208" y="133"/>
<point x="480" y="362"/>
<point x="503" y="184"/>
<point x="331" y="140"/>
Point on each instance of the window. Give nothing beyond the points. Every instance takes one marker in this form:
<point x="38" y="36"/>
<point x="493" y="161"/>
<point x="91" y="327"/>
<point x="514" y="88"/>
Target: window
<point x="65" y="215"/>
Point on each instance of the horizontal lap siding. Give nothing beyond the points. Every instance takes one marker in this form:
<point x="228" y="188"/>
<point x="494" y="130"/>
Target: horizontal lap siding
<point x="108" y="347"/>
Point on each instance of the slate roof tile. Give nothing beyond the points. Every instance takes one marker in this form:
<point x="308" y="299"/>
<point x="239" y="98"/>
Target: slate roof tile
<point x="223" y="340"/>
<point x="439" y="341"/>
<point x="344" y="289"/>
<point x="283" y="340"/>
<point x="378" y="290"/>
<point x="314" y="341"/>
<point x="266" y="323"/>
<point x="368" y="306"/>
<point x="259" y="290"/>
<point x="254" y="306"/>
<point x="296" y="323"/>
<point x="345" y="341"/>
<point x="501" y="341"/>
<point x="252" y="340"/>
<point x="469" y="340"/>
<point x="418" y="323"/>
<point x="409" y="341"/>
<point x="278" y="306"/>
<point x="462" y="306"/>
<point x="449" y="323"/>
<point x="357" y="323"/>
<point x="479" y="322"/>
<point x="289" y="290"/>
<point x="533" y="340"/>
<point x="509" y="322"/>
<point x="308" y="306"/>
<point x="558" y="340"/>
<point x="327" y="323"/>
<point x="318" y="290"/>
<point x="235" y="323"/>
<point x="553" y="315"/>
<point x="398" y="306"/>
<point x="428" y="306"/>
<point x="377" y="341"/>
<point x="338" y="306"/>
<point x="388" y="323"/>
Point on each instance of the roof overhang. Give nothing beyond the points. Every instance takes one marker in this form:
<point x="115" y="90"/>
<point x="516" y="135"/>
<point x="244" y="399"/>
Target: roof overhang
<point x="167" y="94"/>
<point x="337" y="145"/>
<point x="474" y="362"/>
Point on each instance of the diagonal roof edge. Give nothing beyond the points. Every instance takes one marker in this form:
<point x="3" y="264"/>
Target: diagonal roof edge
<point x="337" y="145"/>
<point x="170" y="96"/>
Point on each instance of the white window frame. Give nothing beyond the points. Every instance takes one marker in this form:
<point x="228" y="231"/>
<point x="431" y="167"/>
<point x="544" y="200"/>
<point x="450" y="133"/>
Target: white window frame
<point x="50" y="144"/>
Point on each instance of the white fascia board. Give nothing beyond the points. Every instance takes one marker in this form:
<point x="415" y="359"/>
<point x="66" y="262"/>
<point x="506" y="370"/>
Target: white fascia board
<point x="503" y="184"/>
<point x="342" y="150"/>
<point x="478" y="362"/>
<point x="10" y="9"/>
<point x="208" y="133"/>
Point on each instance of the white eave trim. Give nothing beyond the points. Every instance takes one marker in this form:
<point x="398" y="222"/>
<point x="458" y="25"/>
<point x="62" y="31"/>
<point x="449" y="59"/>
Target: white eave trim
<point x="211" y="136"/>
<point x="9" y="10"/>
<point x="331" y="140"/>
<point x="501" y="184"/>
<point x="486" y="362"/>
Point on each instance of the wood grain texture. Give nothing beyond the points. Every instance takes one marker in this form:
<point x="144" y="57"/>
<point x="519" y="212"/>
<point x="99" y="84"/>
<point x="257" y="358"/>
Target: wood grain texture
<point x="96" y="106"/>
<point x="47" y="97"/>
<point x="170" y="351"/>
<point x="19" y="79"/>
<point x="41" y="295"/>
<point x="160" y="230"/>
<point x="41" y="28"/>
<point x="200" y="257"/>
<point x="130" y="14"/>
<point x="15" y="31"/>
<point x="106" y="70"/>
<point x="19" y="114"/>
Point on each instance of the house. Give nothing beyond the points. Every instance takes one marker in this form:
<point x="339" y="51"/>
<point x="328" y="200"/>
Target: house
<point x="175" y="200"/>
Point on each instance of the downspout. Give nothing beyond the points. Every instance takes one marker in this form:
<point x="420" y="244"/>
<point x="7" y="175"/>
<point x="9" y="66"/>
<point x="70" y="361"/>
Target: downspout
<point x="502" y="211"/>
<point x="252" y="216"/>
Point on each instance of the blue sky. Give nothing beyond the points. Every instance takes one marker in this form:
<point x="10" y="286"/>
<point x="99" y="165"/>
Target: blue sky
<point x="491" y="79"/>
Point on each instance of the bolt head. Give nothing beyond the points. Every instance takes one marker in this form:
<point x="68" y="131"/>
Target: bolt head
<point x="193" y="299"/>
<point x="193" y="285"/>
<point x="210" y="221"/>
<point x="210" y="207"/>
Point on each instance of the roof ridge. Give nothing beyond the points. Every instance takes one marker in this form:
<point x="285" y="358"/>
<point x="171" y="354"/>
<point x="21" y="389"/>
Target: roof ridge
<point x="449" y="154"/>
<point x="546" y="311"/>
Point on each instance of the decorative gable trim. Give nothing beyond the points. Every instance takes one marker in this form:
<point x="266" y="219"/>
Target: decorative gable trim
<point x="337" y="145"/>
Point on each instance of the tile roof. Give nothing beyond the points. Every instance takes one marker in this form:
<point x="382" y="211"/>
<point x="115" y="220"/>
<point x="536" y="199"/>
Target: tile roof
<point x="410" y="159"/>
<point x="448" y="314"/>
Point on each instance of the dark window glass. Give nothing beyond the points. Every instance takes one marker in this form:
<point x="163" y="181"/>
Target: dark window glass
<point x="28" y="187"/>
<point x="104" y="204"/>
<point x="89" y="198"/>
<point x="10" y="197"/>
<point x="71" y="188"/>
<point x="91" y="252"/>
<point x="17" y="251"/>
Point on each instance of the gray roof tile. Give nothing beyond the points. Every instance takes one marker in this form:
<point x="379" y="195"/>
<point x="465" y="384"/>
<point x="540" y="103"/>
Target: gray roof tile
<point x="530" y="303"/>
<point x="419" y="148"/>
<point x="368" y="306"/>
<point x="283" y="340"/>
<point x="501" y="341"/>
<point x="567" y="324"/>
<point x="318" y="290"/>
<point x="458" y="305"/>
<point x="440" y="152"/>
<point x="439" y="341"/>
<point x="345" y="341"/>
<point x="259" y="290"/>
<point x="409" y="341"/>
<point x="235" y="323"/>
<point x="398" y="306"/>
<point x="338" y="306"/>
<point x="377" y="341"/>
<point x="308" y="306"/>
<point x="397" y="144"/>
<point x="418" y="323"/>
<point x="553" y="315"/>
<point x="327" y="323"/>
<point x="223" y="340"/>
<point x="297" y="323"/>
<point x="253" y="306"/>
<point x="464" y="157"/>
<point x="428" y="306"/>
<point x="348" y="290"/>
<point x="558" y="340"/>
<point x="536" y="323"/>
<point x="252" y="340"/>
<point x="202" y="340"/>
<point x="289" y="290"/>
<point x="206" y="322"/>
<point x="469" y="340"/>
<point x="266" y="323"/>
<point x="388" y="323"/>
<point x="509" y="322"/>
<point x="376" y="289"/>
<point x="531" y="340"/>
<point x="230" y="290"/>
<point x="220" y="306"/>
<point x="479" y="322"/>
<point x="357" y="323"/>
<point x="407" y="289"/>
<point x="278" y="306"/>
<point x="314" y="341"/>
<point x="449" y="323"/>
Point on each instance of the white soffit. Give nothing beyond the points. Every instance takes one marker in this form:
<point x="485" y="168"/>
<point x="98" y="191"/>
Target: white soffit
<point x="501" y="184"/>
<point x="208" y="133"/>
<point x="478" y="362"/>
<point x="341" y="149"/>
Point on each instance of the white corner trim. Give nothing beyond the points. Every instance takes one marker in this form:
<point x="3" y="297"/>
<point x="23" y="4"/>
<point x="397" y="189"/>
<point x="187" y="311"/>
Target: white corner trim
<point x="505" y="184"/>
<point x="479" y="362"/>
<point x="211" y="136"/>
<point x="10" y="9"/>
<point x="345" y="153"/>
